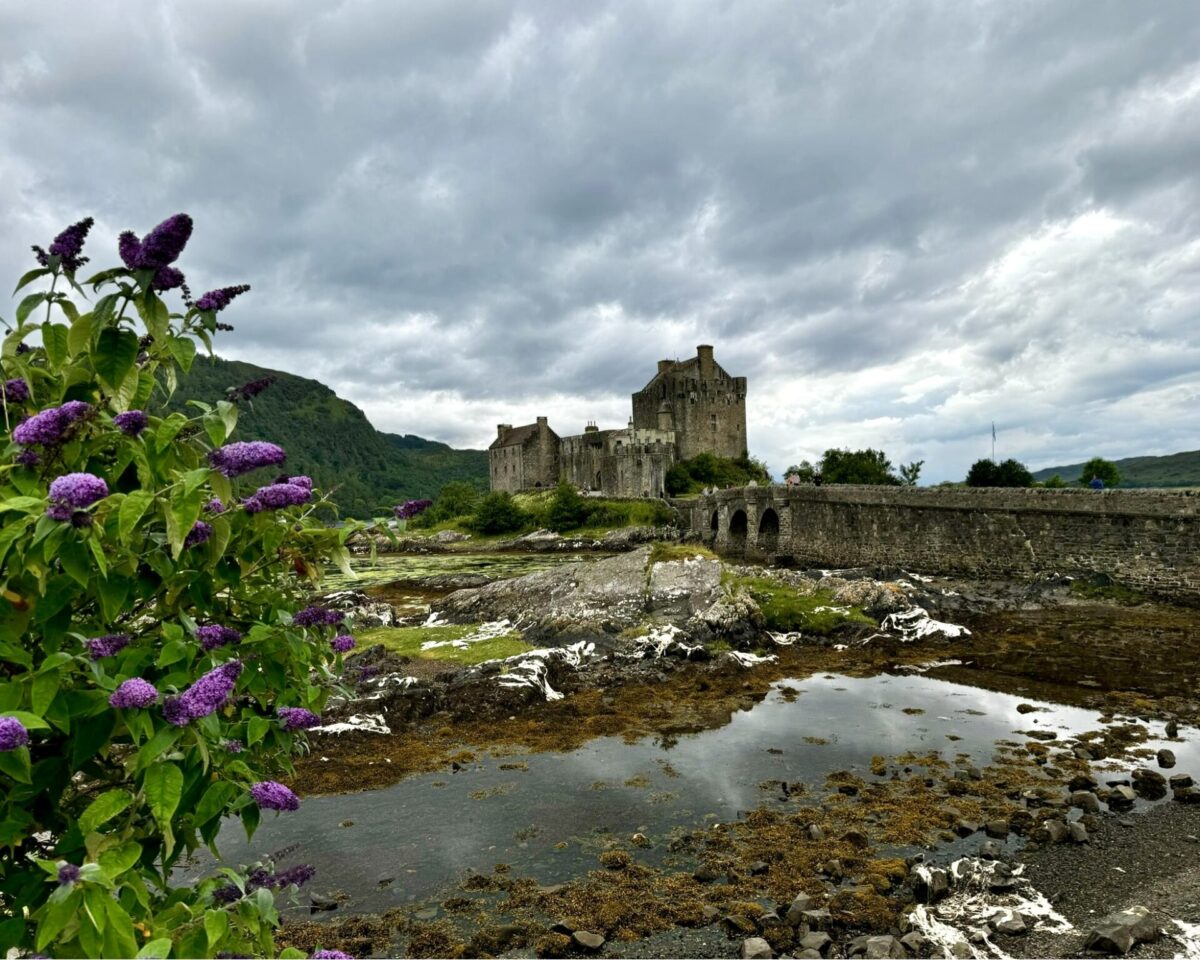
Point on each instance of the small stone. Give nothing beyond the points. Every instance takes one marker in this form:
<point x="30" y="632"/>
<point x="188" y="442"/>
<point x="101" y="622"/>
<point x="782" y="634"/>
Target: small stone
<point x="964" y="828"/>
<point x="913" y="942"/>
<point x="756" y="948"/>
<point x="816" y="919"/>
<point x="1083" y="753"/>
<point x="1086" y="801"/>
<point x="808" y="954"/>
<point x="1121" y="797"/>
<point x="1082" y="781"/>
<point x="1172" y="729"/>
<point x="1166" y="759"/>
<point x="1118" y="932"/>
<point x="1187" y="795"/>
<point x="799" y="906"/>
<point x="932" y="884"/>
<point x="991" y="850"/>
<point x="587" y="940"/>
<point x="706" y="874"/>
<point x="710" y="914"/>
<point x="1010" y="923"/>
<point x="429" y="913"/>
<point x="817" y="940"/>
<point x="758" y="868"/>
<point x="815" y="833"/>
<point x="346" y="823"/>
<point x="996" y="828"/>
<point x="1026" y="708"/>
<point x="1079" y="833"/>
<point x="321" y="902"/>
<point x="1127" y="824"/>
<point x="1056" y="830"/>
<point x="1181" y="780"/>
<point x="883" y="947"/>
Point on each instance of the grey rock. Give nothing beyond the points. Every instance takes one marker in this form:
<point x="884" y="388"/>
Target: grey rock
<point x="882" y="947"/>
<point x="1172" y="729"/>
<point x="758" y="867"/>
<point x="817" y="940"/>
<point x="913" y="942"/>
<point x="799" y="906"/>
<point x="756" y="948"/>
<point x="964" y="828"/>
<point x="1056" y="830"/>
<point x="1180" y="780"/>
<point x="808" y="954"/>
<point x="816" y="919"/>
<point x="586" y="940"/>
<point x="706" y="874"/>
<point x="1122" y="797"/>
<point x="1010" y="923"/>
<point x="1166" y="759"/>
<point x="1079" y="833"/>
<point x="320" y="901"/>
<point x="562" y="927"/>
<point x="991" y="850"/>
<point x="1118" y="932"/>
<point x="1082" y="781"/>
<point x="932" y="883"/>
<point x="1149" y="783"/>
<point x="996" y="828"/>
<point x="1086" y="801"/>
<point x="1187" y="795"/>
<point x="815" y="833"/>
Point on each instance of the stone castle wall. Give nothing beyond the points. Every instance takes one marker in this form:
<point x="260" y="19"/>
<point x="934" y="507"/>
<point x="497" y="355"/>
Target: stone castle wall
<point x="621" y="463"/>
<point x="1145" y="539"/>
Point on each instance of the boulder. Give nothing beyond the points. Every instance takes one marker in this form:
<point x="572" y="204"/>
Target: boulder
<point x="1079" y="833"/>
<point x="450" y="536"/>
<point x="361" y="611"/>
<point x="1056" y="831"/>
<point x="883" y="947"/>
<point x="799" y="906"/>
<point x="1010" y="923"/>
<point x="1118" y="932"/>
<point x="1121" y="798"/>
<point x="1181" y="780"/>
<point x="817" y="940"/>
<point x="930" y="883"/>
<point x="1086" y="801"/>
<point x="756" y="948"/>
<point x="1166" y="759"/>
<point x="996" y="828"/>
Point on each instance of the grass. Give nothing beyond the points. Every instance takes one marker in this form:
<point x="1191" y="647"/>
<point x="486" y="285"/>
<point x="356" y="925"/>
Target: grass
<point x="1125" y="596"/>
<point x="786" y="609"/>
<point x="407" y="641"/>
<point x="663" y="552"/>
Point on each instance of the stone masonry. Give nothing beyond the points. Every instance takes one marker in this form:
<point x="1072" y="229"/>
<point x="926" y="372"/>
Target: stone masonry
<point x="689" y="407"/>
<point x="1145" y="539"/>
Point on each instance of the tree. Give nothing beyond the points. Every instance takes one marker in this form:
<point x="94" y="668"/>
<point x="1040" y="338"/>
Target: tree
<point x="456" y="499"/>
<point x="857" y="466"/>
<point x="910" y="472"/>
<point x="804" y="471"/>
<point x="1055" y="482"/>
<point x="1100" y="468"/>
<point x="498" y="513"/>
<point x="155" y="672"/>
<point x="568" y="510"/>
<point x="988" y="473"/>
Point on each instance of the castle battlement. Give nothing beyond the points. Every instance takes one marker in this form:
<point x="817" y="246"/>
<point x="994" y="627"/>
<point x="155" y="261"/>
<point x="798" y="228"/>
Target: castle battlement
<point x="689" y="407"/>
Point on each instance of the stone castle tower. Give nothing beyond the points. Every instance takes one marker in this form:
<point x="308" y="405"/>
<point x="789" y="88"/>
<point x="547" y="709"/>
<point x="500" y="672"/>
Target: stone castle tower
<point x="689" y="407"/>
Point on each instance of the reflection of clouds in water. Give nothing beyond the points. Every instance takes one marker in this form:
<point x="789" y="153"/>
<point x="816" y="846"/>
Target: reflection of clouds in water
<point x="426" y="836"/>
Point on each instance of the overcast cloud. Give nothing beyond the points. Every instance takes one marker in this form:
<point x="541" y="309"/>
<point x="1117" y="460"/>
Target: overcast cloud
<point x="899" y="221"/>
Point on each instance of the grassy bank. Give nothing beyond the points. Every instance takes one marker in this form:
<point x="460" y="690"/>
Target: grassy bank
<point x="459" y="643"/>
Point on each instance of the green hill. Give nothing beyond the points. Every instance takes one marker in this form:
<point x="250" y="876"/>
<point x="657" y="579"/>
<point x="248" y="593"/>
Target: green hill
<point x="332" y="441"/>
<point x="1175" y="470"/>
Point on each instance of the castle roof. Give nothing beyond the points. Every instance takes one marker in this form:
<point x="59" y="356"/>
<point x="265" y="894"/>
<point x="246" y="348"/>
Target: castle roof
<point x="517" y="436"/>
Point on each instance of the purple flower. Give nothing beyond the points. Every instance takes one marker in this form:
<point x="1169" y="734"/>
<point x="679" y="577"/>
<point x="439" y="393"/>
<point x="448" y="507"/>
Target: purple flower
<point x="248" y="391"/>
<point x="12" y="734"/>
<point x="215" y="505"/>
<point x="218" y="300"/>
<point x="68" y="873"/>
<point x="214" y="636"/>
<point x="28" y="458"/>
<point x="301" y="481"/>
<point x="106" y="646"/>
<point x="135" y="692"/>
<point x="316" y="616"/>
<point x="67" y="246"/>
<point x="48" y="427"/>
<point x="342" y="643"/>
<point x="297" y="718"/>
<point x="296" y="876"/>
<point x="78" y="490"/>
<point x="234" y="459"/>
<point x="162" y="245"/>
<point x="233" y="746"/>
<point x="227" y="894"/>
<point x="277" y="496"/>
<point x="329" y="955"/>
<point x="409" y="509"/>
<point x="205" y="696"/>
<point x="199" y="534"/>
<point x="16" y="391"/>
<point x="131" y="422"/>
<point x="128" y="246"/>
<point x="271" y="795"/>
<point x="167" y="278"/>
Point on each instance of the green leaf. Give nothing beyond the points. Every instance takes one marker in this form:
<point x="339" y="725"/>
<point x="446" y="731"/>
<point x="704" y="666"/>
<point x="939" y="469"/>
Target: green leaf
<point x="54" y="340"/>
<point x="23" y="504"/>
<point x="157" y="745"/>
<point x="119" y="940"/>
<point x="181" y="517"/>
<point x="54" y="661"/>
<point x="104" y="808"/>
<point x="221" y="487"/>
<point x="79" y="336"/>
<point x="27" y="306"/>
<point x="168" y="429"/>
<point x="229" y="415"/>
<point x="116" y="861"/>
<point x="105" y="310"/>
<point x="216" y="925"/>
<point x="183" y="349"/>
<point x="31" y="721"/>
<point x="74" y="557"/>
<point x="57" y="913"/>
<point x="214" y="801"/>
<point x="133" y="507"/>
<point x="15" y="763"/>
<point x="256" y="729"/>
<point x="29" y="277"/>
<point x="43" y="692"/>
<point x="172" y="652"/>
<point x="116" y="354"/>
<point x="90" y="737"/>
<point x="158" y="949"/>
<point x="123" y="395"/>
<point x="164" y="787"/>
<point x="193" y="479"/>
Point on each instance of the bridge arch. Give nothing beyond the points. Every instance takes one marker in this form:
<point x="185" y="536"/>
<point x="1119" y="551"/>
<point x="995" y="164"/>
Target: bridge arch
<point x="768" y="531"/>
<point x="714" y="524"/>
<point x="739" y="527"/>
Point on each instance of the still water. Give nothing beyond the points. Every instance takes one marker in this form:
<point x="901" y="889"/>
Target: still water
<point x="546" y="815"/>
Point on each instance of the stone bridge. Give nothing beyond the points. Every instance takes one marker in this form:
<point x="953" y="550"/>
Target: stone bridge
<point x="1145" y="539"/>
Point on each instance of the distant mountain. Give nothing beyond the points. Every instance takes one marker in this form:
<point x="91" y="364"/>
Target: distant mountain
<point x="1175" y="470"/>
<point x="332" y="441"/>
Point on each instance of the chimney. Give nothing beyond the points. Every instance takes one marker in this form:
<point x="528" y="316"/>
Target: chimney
<point x="591" y="427"/>
<point x="502" y="429"/>
<point x="542" y="422"/>
<point x="665" y="365"/>
<point x="705" y="353"/>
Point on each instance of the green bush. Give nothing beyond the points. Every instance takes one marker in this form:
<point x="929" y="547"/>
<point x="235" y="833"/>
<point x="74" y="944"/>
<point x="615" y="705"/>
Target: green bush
<point x="498" y="513"/>
<point x="1099" y="468"/>
<point x="568" y="510"/>
<point x="455" y="500"/>
<point x="709" y="470"/>
<point x="1010" y="473"/>
<point x="152" y="675"/>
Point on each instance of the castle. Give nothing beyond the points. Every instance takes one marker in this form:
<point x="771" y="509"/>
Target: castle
<point x="689" y="407"/>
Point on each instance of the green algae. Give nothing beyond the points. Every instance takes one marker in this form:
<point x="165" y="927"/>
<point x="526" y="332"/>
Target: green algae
<point x="410" y="641"/>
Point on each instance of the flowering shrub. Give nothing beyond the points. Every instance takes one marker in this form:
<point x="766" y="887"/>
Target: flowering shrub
<point x="153" y="678"/>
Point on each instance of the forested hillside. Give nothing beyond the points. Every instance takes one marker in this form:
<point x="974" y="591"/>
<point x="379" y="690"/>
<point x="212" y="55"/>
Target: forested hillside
<point x="1174" y="470"/>
<point x="331" y="440"/>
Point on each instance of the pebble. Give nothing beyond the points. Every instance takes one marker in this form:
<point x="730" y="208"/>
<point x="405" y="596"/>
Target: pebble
<point x="815" y="941"/>
<point x="586" y="940"/>
<point x="996" y="828"/>
<point x="756" y="948"/>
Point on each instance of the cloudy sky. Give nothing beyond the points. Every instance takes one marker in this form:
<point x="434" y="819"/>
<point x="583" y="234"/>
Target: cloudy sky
<point x="901" y="221"/>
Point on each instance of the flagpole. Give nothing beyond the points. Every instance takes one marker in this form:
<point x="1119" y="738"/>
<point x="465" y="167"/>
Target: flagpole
<point x="993" y="441"/>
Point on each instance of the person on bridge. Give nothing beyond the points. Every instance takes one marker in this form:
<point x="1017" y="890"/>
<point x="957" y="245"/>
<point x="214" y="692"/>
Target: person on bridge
<point x="1097" y="483"/>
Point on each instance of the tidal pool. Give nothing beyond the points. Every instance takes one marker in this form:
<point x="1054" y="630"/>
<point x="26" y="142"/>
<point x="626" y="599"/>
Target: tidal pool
<point x="547" y="815"/>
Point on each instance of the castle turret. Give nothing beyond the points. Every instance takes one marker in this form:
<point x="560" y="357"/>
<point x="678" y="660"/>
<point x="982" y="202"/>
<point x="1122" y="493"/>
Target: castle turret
<point x="704" y="353"/>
